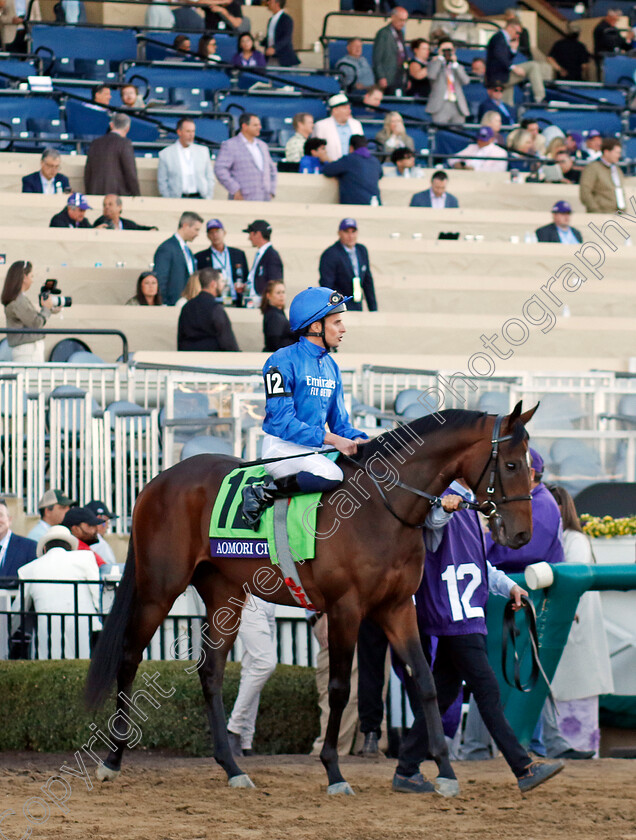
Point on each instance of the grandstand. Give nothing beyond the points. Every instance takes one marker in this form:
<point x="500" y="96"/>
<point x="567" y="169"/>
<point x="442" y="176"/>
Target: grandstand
<point x="438" y="299"/>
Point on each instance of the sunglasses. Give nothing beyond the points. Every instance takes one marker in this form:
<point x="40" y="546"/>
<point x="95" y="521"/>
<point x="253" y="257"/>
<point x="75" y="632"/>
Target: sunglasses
<point x="498" y="89"/>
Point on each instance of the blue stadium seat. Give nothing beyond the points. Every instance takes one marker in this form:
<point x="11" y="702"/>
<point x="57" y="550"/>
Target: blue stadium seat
<point x="85" y="120"/>
<point x="316" y="81"/>
<point x="43" y="126"/>
<point x="583" y="95"/>
<point x="266" y="105"/>
<point x="216" y="131"/>
<point x="419" y="137"/>
<point x="619" y="70"/>
<point x="449" y="143"/>
<point x="193" y="98"/>
<point x="176" y="77"/>
<point x="71" y="42"/>
<point x="492" y="7"/>
<point x="19" y="69"/>
<point x="629" y="148"/>
<point x="466" y="55"/>
<point x="94" y="68"/>
<point x="155" y="52"/>
<point x="607" y="122"/>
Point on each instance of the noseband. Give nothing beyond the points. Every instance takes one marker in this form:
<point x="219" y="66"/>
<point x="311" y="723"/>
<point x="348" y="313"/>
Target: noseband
<point x="488" y="507"/>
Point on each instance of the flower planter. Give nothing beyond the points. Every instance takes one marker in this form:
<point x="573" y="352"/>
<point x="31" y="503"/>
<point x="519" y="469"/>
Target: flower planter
<point x="615" y="549"/>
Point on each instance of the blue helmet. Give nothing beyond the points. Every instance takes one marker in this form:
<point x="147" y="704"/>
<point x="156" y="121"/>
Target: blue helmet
<point x="314" y="304"/>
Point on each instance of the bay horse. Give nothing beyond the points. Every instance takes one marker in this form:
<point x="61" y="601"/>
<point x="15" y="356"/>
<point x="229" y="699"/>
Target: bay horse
<point x="369" y="562"/>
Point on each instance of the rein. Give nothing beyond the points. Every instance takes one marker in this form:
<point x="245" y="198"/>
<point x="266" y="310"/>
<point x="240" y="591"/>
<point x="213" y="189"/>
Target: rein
<point x="510" y="635"/>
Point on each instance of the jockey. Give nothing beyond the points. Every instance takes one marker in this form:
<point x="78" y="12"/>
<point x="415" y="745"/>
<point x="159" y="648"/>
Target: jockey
<point x="304" y="392"/>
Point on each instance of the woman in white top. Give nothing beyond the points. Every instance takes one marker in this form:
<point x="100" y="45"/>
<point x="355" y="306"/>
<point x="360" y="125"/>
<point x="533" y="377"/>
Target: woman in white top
<point x="584" y="671"/>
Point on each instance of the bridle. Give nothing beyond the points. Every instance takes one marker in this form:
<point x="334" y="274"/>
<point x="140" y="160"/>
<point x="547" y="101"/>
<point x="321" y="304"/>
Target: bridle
<point x="488" y="507"/>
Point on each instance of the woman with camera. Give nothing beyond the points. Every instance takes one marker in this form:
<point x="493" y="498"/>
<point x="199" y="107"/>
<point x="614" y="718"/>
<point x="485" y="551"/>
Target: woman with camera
<point x="20" y="313"/>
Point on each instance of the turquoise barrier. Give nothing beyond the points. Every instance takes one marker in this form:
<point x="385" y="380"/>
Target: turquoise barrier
<point x="555" y="608"/>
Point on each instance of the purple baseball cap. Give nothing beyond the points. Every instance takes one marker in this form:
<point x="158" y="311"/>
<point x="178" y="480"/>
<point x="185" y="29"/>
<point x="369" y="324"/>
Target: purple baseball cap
<point x="348" y="224"/>
<point x="485" y="133"/>
<point x="593" y="133"/>
<point x="561" y="207"/>
<point x="536" y="461"/>
<point x="577" y="137"/>
<point x="214" y="224"/>
<point x="78" y="200"/>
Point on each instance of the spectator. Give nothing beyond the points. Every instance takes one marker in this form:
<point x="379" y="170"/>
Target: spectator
<point x="130" y="97"/>
<point x="231" y="262"/>
<point x="206" y="49"/>
<point x="436" y="196"/>
<point x="524" y="38"/>
<point x="111" y="217"/>
<point x="608" y="37"/>
<point x="403" y="165"/>
<point x="389" y="52"/>
<point x="303" y="125"/>
<point x="591" y="149"/>
<point x="419" y="84"/>
<point x="187" y="19"/>
<point x="74" y="214"/>
<point x="276" y="327"/>
<point x="110" y="162"/>
<point x="520" y="141"/>
<point x="185" y="169"/>
<point x="478" y="69"/>
<point x="174" y="261"/>
<point x="492" y="119"/>
<point x="105" y="517"/>
<point x="500" y="53"/>
<point x="247" y="54"/>
<point x="345" y="268"/>
<point x="278" y="40"/>
<point x="356" y="70"/>
<point x="315" y="156"/>
<point x="538" y="141"/>
<point x="190" y="290"/>
<point x="15" y="551"/>
<point x="393" y="135"/>
<point x="472" y="157"/>
<point x="267" y="264"/>
<point x="244" y="166"/>
<point x="59" y="558"/>
<point x="447" y="103"/>
<point x="602" y="186"/>
<point x="52" y="508"/>
<point x="20" y="313"/>
<point x="82" y="523"/>
<point x="12" y="28"/>
<point x="370" y="105"/>
<point x="147" y="292"/>
<point x="568" y="174"/>
<point x="555" y="145"/>
<point x="358" y="174"/>
<point x="159" y="16"/>
<point x="203" y="323"/>
<point x="559" y="230"/>
<point x="181" y="47"/>
<point x="223" y="15"/>
<point x="457" y="22"/>
<point x="584" y="670"/>
<point x="102" y="95"/>
<point x="257" y="633"/>
<point x="49" y="180"/>
<point x="569" y="58"/>
<point x="493" y="102"/>
<point x="573" y="142"/>
<point x="338" y="128"/>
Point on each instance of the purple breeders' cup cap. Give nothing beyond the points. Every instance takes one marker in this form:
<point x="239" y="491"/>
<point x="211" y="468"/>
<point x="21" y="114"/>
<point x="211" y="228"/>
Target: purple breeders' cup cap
<point x="561" y="207"/>
<point x="485" y="133"/>
<point x="536" y="461"/>
<point x="348" y="224"/>
<point x="214" y="223"/>
<point x="78" y="200"/>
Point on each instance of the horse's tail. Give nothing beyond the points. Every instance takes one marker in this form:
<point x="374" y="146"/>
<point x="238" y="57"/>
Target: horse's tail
<point x="109" y="651"/>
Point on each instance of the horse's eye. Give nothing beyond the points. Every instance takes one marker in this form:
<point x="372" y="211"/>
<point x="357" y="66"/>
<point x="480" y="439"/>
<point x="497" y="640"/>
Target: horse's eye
<point x="511" y="467"/>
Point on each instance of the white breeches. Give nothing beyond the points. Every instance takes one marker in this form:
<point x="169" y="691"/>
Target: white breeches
<point x="310" y="461"/>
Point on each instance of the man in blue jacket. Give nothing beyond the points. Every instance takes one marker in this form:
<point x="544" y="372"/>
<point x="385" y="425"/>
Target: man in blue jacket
<point x="358" y="174"/>
<point x="451" y="607"/>
<point x="345" y="267"/>
<point x="15" y="551"/>
<point x="303" y="391"/>
<point x="174" y="261"/>
<point x="436" y="196"/>
<point x="278" y="40"/>
<point x="494" y="102"/>
<point x="500" y="55"/>
<point x="49" y="180"/>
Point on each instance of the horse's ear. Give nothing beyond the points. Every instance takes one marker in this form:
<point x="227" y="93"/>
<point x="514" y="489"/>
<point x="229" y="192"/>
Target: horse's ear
<point x="528" y="415"/>
<point x="512" y="418"/>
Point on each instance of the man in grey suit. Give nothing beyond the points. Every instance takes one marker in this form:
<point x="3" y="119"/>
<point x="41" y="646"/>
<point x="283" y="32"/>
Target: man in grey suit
<point x="389" y="52"/>
<point x="244" y="165"/>
<point x="174" y="261"/>
<point x="185" y="169"/>
<point x="436" y="196"/>
<point x="446" y="102"/>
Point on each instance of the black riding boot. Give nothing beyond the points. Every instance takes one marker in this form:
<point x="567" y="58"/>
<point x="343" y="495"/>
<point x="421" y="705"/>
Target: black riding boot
<point x="258" y="497"/>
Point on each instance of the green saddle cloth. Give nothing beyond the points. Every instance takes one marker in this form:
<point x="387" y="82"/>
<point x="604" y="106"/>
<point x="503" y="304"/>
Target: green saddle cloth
<point x="230" y="537"/>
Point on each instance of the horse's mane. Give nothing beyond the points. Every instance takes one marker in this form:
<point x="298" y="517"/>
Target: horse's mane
<point x="453" y="418"/>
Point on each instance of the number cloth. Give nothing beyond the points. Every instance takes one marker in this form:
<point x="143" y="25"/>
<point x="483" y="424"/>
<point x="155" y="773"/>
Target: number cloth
<point x="452" y="597"/>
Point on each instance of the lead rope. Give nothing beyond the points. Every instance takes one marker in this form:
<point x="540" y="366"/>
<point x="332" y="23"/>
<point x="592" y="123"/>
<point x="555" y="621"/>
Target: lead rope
<point x="510" y="634"/>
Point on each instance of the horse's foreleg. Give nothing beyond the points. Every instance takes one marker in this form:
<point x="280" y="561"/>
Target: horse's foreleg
<point x="343" y="633"/>
<point x="224" y="619"/>
<point x="400" y="625"/>
<point x="144" y="621"/>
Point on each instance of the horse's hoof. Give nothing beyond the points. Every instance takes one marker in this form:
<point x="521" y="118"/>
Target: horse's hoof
<point x="446" y="787"/>
<point x="105" y="774"/>
<point x="242" y="781"/>
<point x="340" y="788"/>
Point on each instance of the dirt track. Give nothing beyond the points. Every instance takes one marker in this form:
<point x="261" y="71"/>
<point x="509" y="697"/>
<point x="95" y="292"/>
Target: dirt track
<point x="167" y="798"/>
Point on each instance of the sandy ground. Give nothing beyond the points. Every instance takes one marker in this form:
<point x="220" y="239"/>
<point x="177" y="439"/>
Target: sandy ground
<point x="160" y="797"/>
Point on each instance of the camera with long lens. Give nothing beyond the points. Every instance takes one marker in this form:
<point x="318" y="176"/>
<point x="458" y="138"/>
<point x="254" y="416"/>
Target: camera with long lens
<point x="50" y="290"/>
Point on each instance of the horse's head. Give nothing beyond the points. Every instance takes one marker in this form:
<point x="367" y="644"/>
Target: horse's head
<point x="499" y="474"/>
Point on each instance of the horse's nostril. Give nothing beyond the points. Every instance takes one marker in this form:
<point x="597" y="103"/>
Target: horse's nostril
<point x="522" y="538"/>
